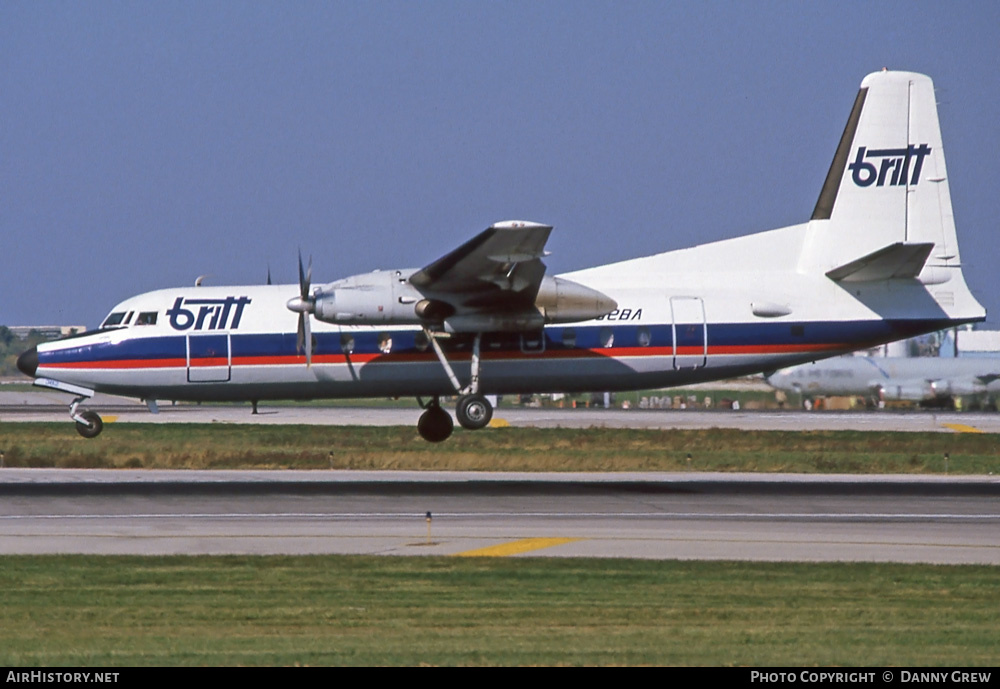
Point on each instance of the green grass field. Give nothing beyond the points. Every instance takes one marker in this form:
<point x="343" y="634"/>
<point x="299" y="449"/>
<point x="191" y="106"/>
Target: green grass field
<point x="217" y="446"/>
<point x="116" y="611"/>
<point x="343" y="610"/>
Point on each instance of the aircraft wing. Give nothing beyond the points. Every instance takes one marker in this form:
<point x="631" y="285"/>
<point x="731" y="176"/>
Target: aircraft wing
<point x="499" y="269"/>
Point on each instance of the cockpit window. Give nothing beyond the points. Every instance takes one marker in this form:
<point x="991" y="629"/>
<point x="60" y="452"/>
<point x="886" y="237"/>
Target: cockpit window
<point x="113" y="320"/>
<point x="147" y="318"/>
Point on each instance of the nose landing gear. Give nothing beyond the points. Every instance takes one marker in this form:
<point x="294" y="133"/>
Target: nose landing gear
<point x="88" y="423"/>
<point x="91" y="426"/>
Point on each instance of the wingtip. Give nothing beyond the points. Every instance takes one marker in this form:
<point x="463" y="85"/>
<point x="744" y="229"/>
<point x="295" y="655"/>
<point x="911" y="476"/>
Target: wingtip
<point x="518" y="225"/>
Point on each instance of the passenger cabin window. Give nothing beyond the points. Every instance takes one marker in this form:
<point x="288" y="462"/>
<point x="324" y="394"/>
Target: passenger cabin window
<point x="533" y="343"/>
<point x="148" y="318"/>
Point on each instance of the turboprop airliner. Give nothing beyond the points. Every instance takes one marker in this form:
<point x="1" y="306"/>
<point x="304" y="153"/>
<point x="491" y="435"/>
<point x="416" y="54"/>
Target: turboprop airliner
<point x="925" y="379"/>
<point x="877" y="261"/>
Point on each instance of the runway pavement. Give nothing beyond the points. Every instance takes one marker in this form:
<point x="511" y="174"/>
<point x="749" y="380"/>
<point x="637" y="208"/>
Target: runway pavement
<point x="640" y="515"/>
<point x="52" y="406"/>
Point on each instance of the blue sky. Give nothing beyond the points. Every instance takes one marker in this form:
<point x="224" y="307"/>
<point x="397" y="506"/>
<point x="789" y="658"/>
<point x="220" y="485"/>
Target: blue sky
<point x="144" y="144"/>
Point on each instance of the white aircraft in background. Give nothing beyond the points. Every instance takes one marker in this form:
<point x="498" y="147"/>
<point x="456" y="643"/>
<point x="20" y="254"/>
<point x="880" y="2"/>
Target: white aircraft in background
<point x="878" y="261"/>
<point x="913" y="379"/>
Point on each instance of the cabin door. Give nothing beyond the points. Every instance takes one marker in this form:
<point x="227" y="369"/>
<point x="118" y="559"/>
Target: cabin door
<point x="208" y="358"/>
<point x="689" y="332"/>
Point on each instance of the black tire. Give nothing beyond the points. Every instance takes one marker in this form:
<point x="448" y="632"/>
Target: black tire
<point x="435" y="425"/>
<point x="93" y="427"/>
<point x="473" y="412"/>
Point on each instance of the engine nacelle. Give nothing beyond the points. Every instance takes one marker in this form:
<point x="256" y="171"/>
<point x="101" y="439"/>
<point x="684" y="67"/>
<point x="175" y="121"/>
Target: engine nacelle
<point x="369" y="299"/>
<point x="909" y="392"/>
<point x="388" y="298"/>
<point x="563" y="301"/>
<point x="959" y="387"/>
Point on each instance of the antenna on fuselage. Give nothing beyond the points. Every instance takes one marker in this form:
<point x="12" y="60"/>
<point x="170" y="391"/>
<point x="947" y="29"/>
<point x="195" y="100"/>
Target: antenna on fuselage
<point x="200" y="279"/>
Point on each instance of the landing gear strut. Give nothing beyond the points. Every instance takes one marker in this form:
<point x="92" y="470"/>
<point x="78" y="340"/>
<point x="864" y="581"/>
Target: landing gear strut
<point x="88" y="423"/>
<point x="435" y="424"/>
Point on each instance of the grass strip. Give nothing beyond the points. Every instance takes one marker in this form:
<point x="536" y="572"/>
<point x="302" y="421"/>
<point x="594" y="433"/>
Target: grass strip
<point x="351" y="610"/>
<point x="223" y="446"/>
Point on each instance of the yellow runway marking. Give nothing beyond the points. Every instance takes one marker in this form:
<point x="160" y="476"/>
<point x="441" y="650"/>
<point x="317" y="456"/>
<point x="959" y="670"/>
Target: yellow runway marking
<point x="516" y="547"/>
<point x="962" y="428"/>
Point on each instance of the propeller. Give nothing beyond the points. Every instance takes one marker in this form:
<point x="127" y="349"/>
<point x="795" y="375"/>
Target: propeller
<point x="304" y="304"/>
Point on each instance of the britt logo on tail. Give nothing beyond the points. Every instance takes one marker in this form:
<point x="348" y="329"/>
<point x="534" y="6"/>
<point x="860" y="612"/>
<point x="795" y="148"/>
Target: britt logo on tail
<point x="895" y="162"/>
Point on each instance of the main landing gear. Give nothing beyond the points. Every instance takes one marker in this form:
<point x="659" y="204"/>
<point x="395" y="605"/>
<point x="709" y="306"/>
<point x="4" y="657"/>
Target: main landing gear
<point x="88" y="423"/>
<point x="435" y="424"/>
<point x="473" y="410"/>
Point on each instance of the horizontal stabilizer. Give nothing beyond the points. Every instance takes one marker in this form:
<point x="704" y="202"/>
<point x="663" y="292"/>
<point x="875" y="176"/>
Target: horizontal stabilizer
<point x="894" y="262"/>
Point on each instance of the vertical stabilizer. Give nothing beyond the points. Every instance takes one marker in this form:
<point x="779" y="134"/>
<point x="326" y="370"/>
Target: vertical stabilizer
<point x="888" y="185"/>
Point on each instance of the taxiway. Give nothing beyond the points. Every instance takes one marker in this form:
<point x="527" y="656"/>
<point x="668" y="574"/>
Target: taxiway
<point x="652" y="516"/>
<point x="52" y="406"/>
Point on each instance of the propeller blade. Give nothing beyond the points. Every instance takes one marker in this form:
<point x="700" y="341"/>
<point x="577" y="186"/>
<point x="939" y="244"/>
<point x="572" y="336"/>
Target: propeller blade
<point x="304" y="332"/>
<point x="305" y="278"/>
<point x="309" y="339"/>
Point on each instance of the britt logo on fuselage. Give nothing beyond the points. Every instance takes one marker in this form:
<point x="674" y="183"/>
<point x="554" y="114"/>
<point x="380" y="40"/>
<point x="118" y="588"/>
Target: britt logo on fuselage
<point x="894" y="166"/>
<point x="212" y="314"/>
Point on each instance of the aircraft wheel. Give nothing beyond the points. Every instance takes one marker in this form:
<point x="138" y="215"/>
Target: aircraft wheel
<point x="473" y="412"/>
<point x="435" y="424"/>
<point x="93" y="427"/>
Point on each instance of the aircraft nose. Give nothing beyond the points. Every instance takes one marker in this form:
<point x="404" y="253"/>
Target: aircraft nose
<point x="27" y="363"/>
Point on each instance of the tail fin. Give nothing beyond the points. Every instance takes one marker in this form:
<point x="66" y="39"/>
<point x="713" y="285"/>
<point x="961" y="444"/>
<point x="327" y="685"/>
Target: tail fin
<point x="886" y="199"/>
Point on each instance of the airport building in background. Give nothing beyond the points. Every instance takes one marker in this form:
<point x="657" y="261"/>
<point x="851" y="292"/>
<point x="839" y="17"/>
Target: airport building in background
<point x="975" y="344"/>
<point x="49" y="332"/>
